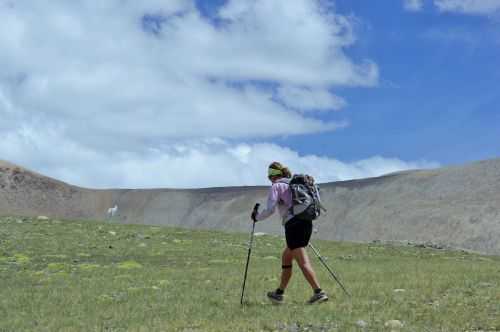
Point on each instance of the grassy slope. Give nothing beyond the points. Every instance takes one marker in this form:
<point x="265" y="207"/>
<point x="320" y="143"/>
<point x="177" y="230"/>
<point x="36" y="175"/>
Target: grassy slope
<point x="90" y="276"/>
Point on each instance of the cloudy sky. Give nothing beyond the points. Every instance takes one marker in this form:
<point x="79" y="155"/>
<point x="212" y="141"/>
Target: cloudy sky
<point x="183" y="93"/>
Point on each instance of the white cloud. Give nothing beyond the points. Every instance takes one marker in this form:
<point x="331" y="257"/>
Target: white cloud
<point x="474" y="7"/>
<point x="94" y="67"/>
<point x="291" y="34"/>
<point x="307" y="98"/>
<point x="131" y="93"/>
<point x="183" y="164"/>
<point x="413" y="5"/>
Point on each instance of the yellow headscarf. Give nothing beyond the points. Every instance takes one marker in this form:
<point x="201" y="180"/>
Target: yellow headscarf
<point x="274" y="172"/>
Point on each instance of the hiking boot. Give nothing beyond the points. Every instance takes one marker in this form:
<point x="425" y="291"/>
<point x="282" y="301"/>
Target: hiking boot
<point x="275" y="297"/>
<point x="318" y="298"/>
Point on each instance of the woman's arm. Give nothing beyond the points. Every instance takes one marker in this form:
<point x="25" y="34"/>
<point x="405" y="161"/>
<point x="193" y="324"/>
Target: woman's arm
<point x="272" y="202"/>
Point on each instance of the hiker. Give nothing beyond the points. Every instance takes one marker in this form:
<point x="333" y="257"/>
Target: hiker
<point x="297" y="234"/>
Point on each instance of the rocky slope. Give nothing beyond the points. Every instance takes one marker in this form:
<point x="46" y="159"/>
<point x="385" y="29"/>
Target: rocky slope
<point x="454" y="206"/>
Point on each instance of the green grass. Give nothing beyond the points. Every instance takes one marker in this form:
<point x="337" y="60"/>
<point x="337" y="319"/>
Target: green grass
<point x="92" y="276"/>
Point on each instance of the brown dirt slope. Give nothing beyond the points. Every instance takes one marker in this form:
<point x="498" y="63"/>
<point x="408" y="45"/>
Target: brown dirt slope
<point x="454" y="206"/>
<point x="26" y="193"/>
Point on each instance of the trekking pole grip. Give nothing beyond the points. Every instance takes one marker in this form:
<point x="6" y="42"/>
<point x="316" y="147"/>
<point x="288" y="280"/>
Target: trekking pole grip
<point x="255" y="211"/>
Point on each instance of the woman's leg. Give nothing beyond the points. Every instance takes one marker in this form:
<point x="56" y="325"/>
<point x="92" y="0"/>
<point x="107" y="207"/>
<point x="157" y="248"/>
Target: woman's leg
<point x="286" y="268"/>
<point x="300" y="255"/>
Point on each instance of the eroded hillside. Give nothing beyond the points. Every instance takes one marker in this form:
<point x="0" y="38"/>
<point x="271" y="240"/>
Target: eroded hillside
<point x="455" y="206"/>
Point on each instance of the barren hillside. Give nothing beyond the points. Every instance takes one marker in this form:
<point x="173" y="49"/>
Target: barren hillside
<point x="454" y="206"/>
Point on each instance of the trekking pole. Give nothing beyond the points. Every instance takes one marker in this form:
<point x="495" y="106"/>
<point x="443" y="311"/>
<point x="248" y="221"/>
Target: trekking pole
<point x="322" y="260"/>
<point x="255" y="210"/>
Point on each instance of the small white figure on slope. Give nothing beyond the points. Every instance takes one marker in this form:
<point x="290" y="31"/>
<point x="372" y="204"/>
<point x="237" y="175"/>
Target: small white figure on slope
<point x="112" y="211"/>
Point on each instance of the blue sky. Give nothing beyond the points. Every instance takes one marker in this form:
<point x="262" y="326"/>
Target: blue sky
<point x="187" y="93"/>
<point x="438" y="97"/>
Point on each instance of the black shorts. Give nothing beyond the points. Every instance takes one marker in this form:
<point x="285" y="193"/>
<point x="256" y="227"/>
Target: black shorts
<point x="298" y="233"/>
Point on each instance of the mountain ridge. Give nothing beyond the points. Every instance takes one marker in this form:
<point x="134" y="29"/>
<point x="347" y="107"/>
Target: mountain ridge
<point x="456" y="206"/>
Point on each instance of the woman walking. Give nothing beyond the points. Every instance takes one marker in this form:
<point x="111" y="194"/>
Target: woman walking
<point x="297" y="233"/>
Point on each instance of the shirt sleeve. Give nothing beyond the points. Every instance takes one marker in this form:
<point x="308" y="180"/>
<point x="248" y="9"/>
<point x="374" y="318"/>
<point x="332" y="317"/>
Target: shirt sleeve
<point x="272" y="202"/>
